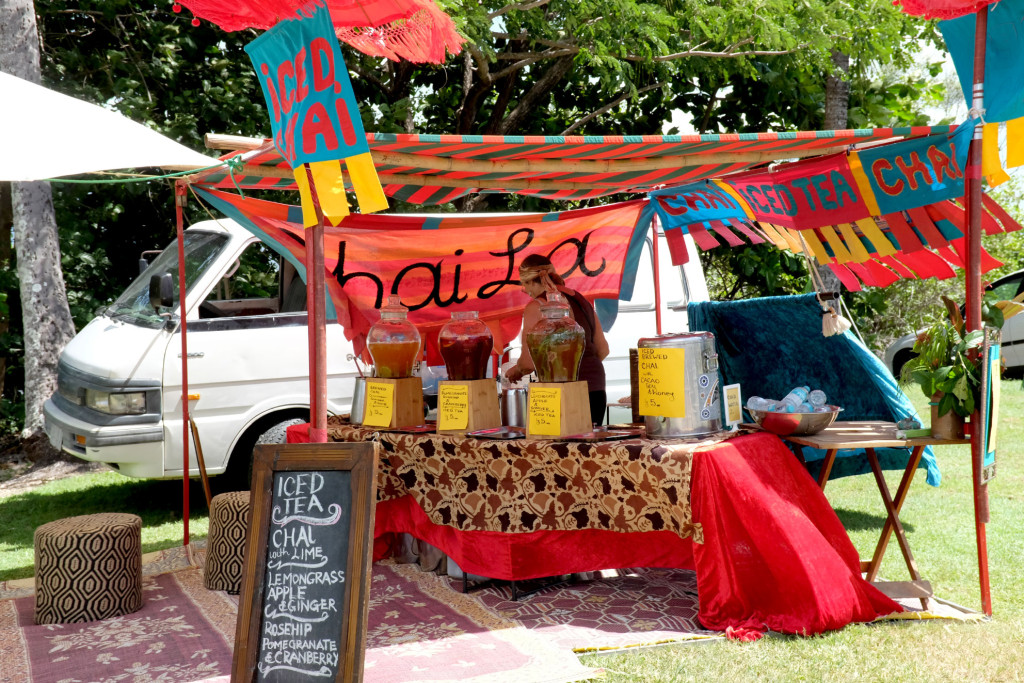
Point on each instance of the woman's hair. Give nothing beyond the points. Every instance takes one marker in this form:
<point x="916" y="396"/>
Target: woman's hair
<point x="538" y="261"/>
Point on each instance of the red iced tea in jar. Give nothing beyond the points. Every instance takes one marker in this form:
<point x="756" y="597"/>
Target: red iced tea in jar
<point x="465" y="343"/>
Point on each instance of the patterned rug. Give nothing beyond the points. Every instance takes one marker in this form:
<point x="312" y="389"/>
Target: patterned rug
<point x="419" y="630"/>
<point x="606" y="610"/>
<point x="421" y="627"/>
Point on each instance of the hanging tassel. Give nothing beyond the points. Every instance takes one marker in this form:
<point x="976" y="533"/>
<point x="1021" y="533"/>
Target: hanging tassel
<point x="832" y="323"/>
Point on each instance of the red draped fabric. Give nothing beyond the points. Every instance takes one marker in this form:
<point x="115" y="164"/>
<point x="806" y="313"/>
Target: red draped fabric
<point x="775" y="556"/>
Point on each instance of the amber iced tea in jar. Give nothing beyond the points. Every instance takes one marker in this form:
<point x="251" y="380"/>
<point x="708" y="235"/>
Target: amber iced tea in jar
<point x="393" y="341"/>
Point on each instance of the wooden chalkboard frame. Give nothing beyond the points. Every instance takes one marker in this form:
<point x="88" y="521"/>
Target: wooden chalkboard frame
<point x="360" y="459"/>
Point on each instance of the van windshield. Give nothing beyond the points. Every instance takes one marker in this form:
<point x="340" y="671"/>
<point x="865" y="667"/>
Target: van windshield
<point x="201" y="249"/>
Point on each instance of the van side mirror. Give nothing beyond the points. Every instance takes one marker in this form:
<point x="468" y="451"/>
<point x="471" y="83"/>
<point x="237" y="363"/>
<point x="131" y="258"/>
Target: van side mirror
<point x="161" y="291"/>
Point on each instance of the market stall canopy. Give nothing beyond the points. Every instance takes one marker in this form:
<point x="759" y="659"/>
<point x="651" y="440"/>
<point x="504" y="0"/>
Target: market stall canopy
<point x="435" y="169"/>
<point x="48" y="135"/>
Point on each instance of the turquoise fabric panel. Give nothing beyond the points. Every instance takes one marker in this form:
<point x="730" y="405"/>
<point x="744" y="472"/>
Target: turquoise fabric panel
<point x="772" y="344"/>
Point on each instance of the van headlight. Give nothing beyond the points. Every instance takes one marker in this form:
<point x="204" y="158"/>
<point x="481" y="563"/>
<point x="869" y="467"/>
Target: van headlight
<point x="128" y="403"/>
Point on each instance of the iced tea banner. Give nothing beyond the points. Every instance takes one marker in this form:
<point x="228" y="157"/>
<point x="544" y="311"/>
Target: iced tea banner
<point x="313" y="112"/>
<point x="441" y="265"/>
<point x="829" y="190"/>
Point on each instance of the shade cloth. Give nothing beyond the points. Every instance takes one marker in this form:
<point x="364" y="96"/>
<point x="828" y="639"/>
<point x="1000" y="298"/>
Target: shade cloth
<point x="770" y="345"/>
<point x="48" y="134"/>
<point x="434" y="169"/>
<point x="774" y="555"/>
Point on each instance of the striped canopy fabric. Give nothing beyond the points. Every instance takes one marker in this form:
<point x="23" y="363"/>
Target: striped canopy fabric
<point x="434" y="169"/>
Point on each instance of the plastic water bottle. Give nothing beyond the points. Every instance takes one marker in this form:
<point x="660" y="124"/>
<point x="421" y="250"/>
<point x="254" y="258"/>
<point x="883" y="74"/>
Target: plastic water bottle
<point x="758" y="403"/>
<point x="817" y="398"/>
<point x="793" y="399"/>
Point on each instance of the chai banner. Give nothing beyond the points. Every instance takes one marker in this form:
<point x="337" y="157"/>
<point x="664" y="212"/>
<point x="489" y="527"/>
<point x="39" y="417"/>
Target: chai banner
<point x="313" y="112"/>
<point x="461" y="263"/>
<point x="915" y="173"/>
<point x="678" y="207"/>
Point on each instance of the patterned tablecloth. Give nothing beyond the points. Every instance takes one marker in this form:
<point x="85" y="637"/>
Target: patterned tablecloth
<point x="527" y="485"/>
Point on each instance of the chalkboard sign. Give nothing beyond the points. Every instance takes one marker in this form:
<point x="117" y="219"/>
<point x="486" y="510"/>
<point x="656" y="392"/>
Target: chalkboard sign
<point x="303" y="605"/>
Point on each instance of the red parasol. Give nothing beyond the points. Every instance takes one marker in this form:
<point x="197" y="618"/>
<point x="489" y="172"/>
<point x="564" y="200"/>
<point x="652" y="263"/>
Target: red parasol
<point x="413" y="30"/>
<point x="941" y="9"/>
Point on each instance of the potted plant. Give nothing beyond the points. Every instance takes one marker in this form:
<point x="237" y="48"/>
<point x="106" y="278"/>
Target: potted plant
<point x="948" y="367"/>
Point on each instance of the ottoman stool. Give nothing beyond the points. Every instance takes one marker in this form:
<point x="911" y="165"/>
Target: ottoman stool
<point x="88" y="568"/>
<point x="225" y="549"/>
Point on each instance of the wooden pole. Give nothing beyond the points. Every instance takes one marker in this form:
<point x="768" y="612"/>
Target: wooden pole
<point x="179" y="202"/>
<point x="974" y="209"/>
<point x="596" y="166"/>
<point x="657" y="277"/>
<point x="316" y="321"/>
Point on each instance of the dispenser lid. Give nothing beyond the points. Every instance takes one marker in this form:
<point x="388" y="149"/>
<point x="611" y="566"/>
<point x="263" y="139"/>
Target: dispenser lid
<point x="394" y="308"/>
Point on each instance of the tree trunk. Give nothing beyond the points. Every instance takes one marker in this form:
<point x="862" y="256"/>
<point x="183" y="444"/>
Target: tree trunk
<point x="6" y="224"/>
<point x="45" y="313"/>
<point x="837" y="93"/>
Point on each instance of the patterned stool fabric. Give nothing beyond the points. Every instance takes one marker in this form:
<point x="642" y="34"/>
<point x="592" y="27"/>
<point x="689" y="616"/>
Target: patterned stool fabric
<point x="225" y="549"/>
<point x="88" y="568"/>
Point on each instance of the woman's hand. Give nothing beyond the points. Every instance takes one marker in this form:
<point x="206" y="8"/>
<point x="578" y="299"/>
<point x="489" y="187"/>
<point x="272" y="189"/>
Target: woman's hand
<point x="514" y="374"/>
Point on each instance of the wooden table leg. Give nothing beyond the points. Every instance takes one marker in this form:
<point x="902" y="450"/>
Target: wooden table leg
<point x="892" y="522"/>
<point x="826" y="467"/>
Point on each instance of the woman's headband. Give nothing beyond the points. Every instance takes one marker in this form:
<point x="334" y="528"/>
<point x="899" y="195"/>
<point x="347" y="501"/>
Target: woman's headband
<point x="527" y="273"/>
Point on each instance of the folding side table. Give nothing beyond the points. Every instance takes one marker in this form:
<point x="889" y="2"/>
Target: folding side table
<point x="870" y="435"/>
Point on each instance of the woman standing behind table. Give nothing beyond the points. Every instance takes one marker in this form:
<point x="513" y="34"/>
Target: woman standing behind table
<point x="538" y="277"/>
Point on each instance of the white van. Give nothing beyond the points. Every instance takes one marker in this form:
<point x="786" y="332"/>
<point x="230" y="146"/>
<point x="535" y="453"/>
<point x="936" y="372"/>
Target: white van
<point x="119" y="380"/>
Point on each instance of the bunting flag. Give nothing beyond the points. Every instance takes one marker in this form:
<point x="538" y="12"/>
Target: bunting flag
<point x="466" y="263"/>
<point x="829" y="190"/>
<point x="314" y="115"/>
<point x="873" y="215"/>
<point x="1003" y="97"/>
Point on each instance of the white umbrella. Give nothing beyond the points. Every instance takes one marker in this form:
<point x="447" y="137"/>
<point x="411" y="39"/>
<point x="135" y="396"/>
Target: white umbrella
<point x="46" y="135"/>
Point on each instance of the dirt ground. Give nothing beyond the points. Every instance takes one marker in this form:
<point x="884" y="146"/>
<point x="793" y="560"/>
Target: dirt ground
<point x="24" y="466"/>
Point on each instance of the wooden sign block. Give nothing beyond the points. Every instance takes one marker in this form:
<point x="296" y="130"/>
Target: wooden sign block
<point x="466" y="406"/>
<point x="303" y="608"/>
<point x="557" y="409"/>
<point x="393" y="403"/>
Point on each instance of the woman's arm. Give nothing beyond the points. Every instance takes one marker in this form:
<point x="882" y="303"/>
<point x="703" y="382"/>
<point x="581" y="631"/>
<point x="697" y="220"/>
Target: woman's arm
<point x="524" y="366"/>
<point x="600" y="343"/>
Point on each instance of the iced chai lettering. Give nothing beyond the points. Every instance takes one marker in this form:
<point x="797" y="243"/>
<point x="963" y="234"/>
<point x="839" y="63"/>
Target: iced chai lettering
<point x="288" y="83"/>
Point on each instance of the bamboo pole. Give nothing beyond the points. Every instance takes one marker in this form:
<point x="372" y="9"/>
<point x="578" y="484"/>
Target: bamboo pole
<point x="596" y="166"/>
<point x="974" y="208"/>
<point x="316" y="320"/>
<point x="179" y="202"/>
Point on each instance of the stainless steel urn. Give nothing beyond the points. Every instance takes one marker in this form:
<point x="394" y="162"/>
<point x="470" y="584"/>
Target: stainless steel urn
<point x="699" y="382"/>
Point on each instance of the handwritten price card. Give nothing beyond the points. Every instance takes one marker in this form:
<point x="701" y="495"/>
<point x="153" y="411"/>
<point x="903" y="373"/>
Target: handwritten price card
<point x="662" y="380"/>
<point x="733" y="404"/>
<point x="453" y="406"/>
<point x="380" y="404"/>
<point x="304" y="582"/>
<point x="545" y="411"/>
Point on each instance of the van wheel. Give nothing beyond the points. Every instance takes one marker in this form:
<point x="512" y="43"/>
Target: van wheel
<point x="900" y="360"/>
<point x="271" y="429"/>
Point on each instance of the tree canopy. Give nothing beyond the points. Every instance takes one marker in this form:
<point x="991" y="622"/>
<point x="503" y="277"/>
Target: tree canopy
<point x="545" y="67"/>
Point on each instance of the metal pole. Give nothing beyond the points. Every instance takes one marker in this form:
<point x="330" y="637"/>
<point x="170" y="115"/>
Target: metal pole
<point x="973" y="202"/>
<point x="657" y="279"/>
<point x="316" y="320"/>
<point x="179" y="202"/>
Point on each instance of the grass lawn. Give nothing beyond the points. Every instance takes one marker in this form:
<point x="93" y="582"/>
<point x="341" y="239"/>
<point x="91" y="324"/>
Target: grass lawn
<point x="939" y="522"/>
